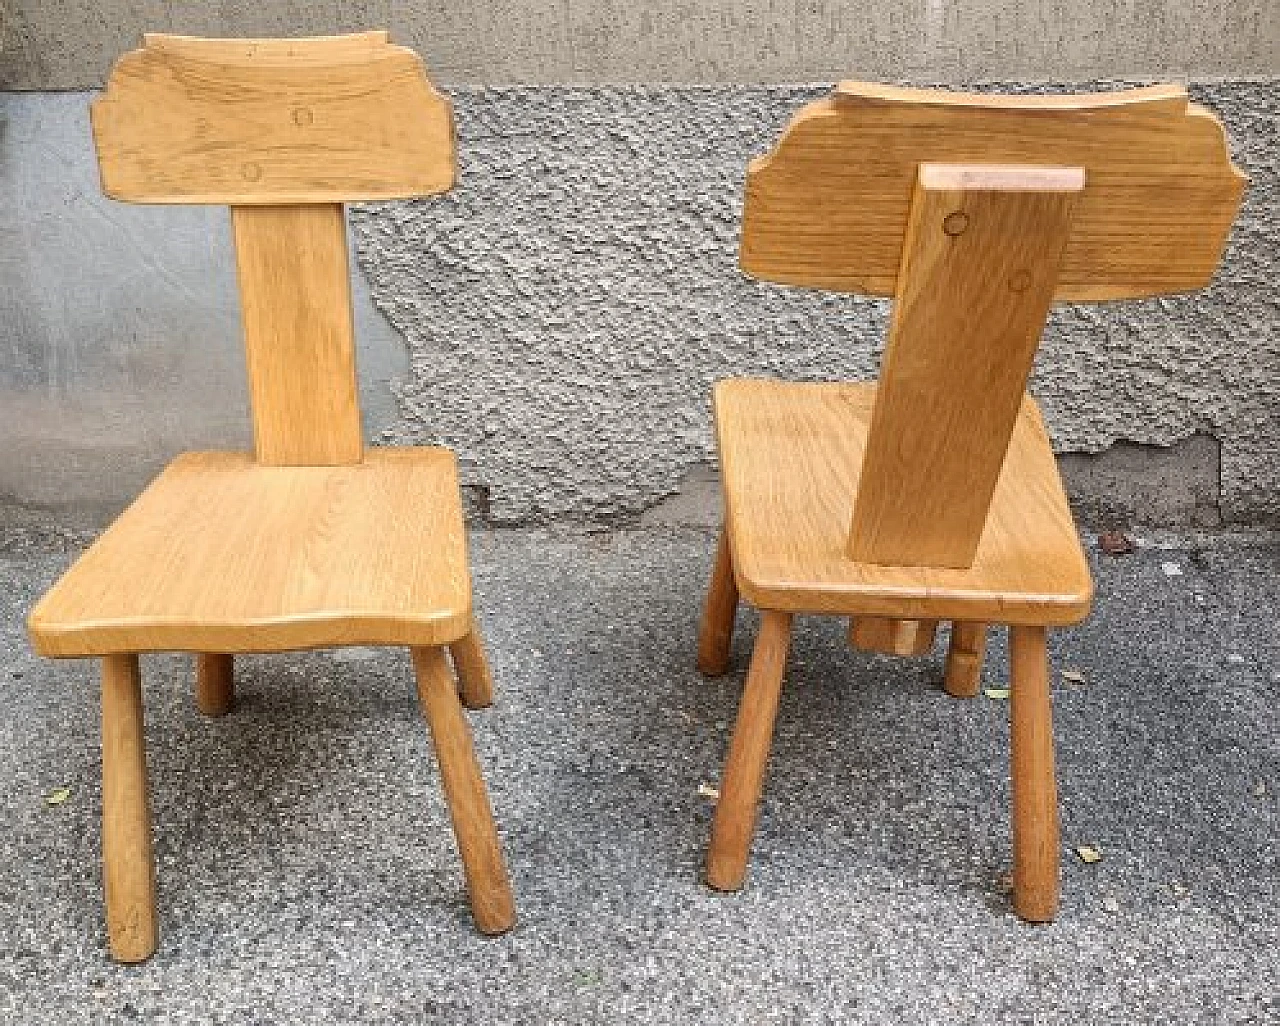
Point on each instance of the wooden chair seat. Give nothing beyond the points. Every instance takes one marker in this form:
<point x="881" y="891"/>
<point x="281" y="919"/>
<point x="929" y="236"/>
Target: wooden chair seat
<point x="222" y="554"/>
<point x="790" y="455"/>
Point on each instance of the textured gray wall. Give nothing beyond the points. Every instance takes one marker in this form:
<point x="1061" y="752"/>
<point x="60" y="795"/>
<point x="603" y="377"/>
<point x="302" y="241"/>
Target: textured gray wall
<point x="568" y="308"/>
<point x="66" y="44"/>
<point x="560" y="317"/>
<point x="565" y="311"/>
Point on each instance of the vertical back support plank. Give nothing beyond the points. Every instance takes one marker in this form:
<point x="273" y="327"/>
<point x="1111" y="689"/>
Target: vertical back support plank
<point x="295" y="300"/>
<point x="979" y="269"/>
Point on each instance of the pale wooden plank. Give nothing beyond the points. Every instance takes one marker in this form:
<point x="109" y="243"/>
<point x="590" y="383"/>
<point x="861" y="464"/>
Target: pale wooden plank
<point x="791" y="454"/>
<point x="325" y="120"/>
<point x="979" y="266"/>
<point x="492" y="904"/>
<point x="295" y="302"/>
<point x="128" y="859"/>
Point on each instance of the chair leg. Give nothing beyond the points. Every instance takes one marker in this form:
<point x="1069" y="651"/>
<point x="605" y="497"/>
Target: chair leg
<point x="715" y="638"/>
<point x="964" y="659"/>
<point x="475" y="681"/>
<point x="464" y="791"/>
<point x="1035" y="796"/>
<point x="215" y="683"/>
<point x="740" y="786"/>
<point x="129" y="871"/>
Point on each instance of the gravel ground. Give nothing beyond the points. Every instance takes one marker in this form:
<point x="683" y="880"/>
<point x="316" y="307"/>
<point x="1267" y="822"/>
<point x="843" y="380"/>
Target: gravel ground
<point x="307" y="871"/>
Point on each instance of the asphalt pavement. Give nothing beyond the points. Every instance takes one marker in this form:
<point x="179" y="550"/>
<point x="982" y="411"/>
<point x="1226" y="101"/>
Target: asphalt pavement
<point x="307" y="872"/>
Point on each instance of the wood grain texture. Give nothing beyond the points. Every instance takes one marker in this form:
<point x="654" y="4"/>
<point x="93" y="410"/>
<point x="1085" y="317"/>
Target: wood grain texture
<point x="128" y="863"/>
<point x="744" y="768"/>
<point x="965" y="653"/>
<point x="979" y="264"/>
<point x="1035" y="794"/>
<point x="475" y="680"/>
<point x="245" y="121"/>
<point x="892" y="637"/>
<point x="222" y="555"/>
<point x="790" y="457"/>
<point x="295" y="302"/>
<point x="828" y="207"/>
<point x="215" y="683"/>
<point x="715" y="634"/>
<point x="492" y="905"/>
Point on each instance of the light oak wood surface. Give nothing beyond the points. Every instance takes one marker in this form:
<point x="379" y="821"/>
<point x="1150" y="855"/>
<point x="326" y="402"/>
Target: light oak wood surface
<point x="1035" y="794"/>
<point x="215" y="683"/>
<point x="491" y="902"/>
<point x="965" y="653"/>
<point x="790" y="457"/>
<point x="295" y="302"/>
<point x="325" y="120"/>
<point x="744" y="768"/>
<point x="979" y="263"/>
<point x="934" y="494"/>
<point x="892" y="637"/>
<point x="828" y="207"/>
<point x="128" y="863"/>
<point x="475" y="679"/>
<point x="220" y="554"/>
<point x="715" y="637"/>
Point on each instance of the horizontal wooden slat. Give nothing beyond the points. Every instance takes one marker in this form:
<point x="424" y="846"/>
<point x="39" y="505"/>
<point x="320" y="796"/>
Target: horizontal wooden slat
<point x="828" y="207"/>
<point x="251" y="121"/>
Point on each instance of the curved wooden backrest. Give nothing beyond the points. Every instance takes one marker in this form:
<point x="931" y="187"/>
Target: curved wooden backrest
<point x="828" y="206"/>
<point x="285" y="131"/>
<point x="272" y="121"/>
<point x="976" y="213"/>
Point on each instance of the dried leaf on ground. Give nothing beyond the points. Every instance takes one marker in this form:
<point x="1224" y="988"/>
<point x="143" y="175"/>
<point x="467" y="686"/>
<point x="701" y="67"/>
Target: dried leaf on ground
<point x="1088" y="854"/>
<point x="707" y="791"/>
<point x="1116" y="543"/>
<point x="57" y="796"/>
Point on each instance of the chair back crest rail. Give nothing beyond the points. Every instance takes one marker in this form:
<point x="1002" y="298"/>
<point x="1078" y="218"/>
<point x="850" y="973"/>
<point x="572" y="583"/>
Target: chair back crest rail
<point x="976" y="213"/>
<point x="284" y="132"/>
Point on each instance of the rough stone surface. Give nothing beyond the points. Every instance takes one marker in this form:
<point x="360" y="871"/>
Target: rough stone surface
<point x="568" y="307"/>
<point x="60" y="44"/>
<point x="566" y="310"/>
<point x="307" y="872"/>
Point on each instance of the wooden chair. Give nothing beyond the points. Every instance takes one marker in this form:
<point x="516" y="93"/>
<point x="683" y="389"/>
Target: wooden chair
<point x="310" y="541"/>
<point x="933" y="495"/>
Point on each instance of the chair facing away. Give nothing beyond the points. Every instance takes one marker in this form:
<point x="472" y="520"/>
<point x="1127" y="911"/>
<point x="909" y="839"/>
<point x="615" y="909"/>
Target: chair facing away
<point x="933" y="495"/>
<point x="310" y="541"/>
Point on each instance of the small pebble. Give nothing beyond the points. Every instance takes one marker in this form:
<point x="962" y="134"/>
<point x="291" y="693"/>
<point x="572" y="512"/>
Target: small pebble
<point x="1171" y="569"/>
<point x="1235" y="657"/>
<point x="1111" y="905"/>
<point x="1260" y="790"/>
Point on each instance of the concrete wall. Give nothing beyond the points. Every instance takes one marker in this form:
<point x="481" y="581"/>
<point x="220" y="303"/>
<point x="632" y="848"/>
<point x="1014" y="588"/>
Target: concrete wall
<point x="559" y="318"/>
<point x="69" y="44"/>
